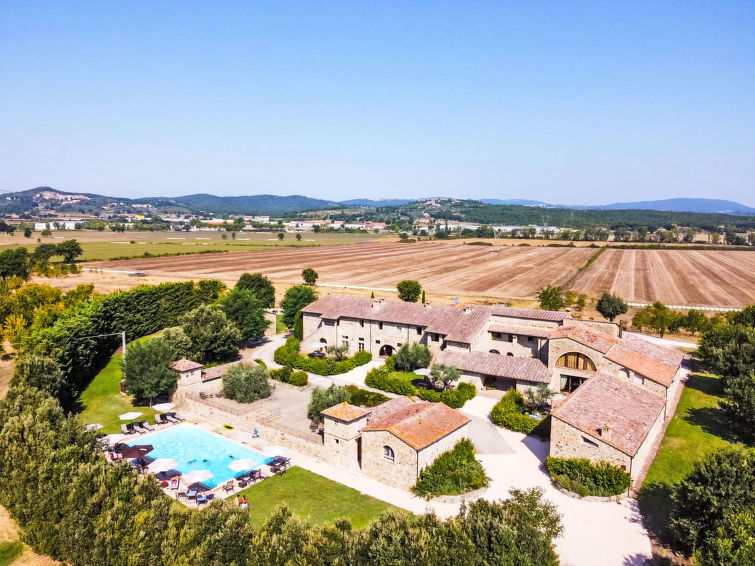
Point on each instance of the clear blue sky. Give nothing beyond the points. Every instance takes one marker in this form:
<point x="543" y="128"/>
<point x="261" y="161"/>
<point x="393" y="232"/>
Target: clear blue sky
<point x="570" y="102"/>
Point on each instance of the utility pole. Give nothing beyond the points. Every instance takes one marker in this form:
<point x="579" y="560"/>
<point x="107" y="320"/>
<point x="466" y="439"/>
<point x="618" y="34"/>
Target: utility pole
<point x="123" y="343"/>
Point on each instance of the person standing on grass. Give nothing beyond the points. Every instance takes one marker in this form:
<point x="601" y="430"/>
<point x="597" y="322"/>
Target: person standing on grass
<point x="244" y="502"/>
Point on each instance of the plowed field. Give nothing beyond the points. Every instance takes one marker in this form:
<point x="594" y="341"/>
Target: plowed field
<point x="688" y="278"/>
<point x="685" y="277"/>
<point x="514" y="272"/>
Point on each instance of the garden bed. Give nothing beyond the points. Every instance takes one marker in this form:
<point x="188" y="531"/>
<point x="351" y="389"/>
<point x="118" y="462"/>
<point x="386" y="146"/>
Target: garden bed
<point x="289" y="355"/>
<point x="588" y="479"/>
<point x="453" y="473"/>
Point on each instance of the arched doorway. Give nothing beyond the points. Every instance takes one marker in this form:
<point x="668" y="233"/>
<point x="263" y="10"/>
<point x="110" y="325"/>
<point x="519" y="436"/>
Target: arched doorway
<point x="509" y="354"/>
<point x="387" y="350"/>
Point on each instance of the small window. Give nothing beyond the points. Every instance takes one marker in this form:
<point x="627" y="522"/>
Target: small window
<point x="530" y="339"/>
<point x="361" y="323"/>
<point x="345" y="337"/>
<point x="323" y="341"/>
<point x="380" y="325"/>
<point x="388" y="453"/>
<point x="345" y="343"/>
<point x="377" y="341"/>
<point x="509" y="354"/>
<point x="361" y="344"/>
<point x="589" y="442"/>
<point x="399" y="344"/>
<point x="337" y="441"/>
<point x="419" y="330"/>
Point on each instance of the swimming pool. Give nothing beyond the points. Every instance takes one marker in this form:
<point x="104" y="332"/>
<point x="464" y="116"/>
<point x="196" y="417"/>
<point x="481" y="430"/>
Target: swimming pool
<point x="194" y="448"/>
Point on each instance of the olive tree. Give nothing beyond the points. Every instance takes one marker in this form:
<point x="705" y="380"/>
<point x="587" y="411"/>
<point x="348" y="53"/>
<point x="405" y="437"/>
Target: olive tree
<point x="246" y="383"/>
<point x="409" y="290"/>
<point x="610" y="306"/>
<point x="322" y="399"/>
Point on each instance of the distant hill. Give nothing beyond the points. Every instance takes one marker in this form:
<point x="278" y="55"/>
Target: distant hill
<point x="515" y="201"/>
<point x="253" y="204"/>
<point x="375" y="203"/>
<point x="704" y="205"/>
<point x="683" y="205"/>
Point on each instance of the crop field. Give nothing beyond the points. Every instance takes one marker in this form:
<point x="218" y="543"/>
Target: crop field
<point x="110" y="245"/>
<point x="442" y="268"/>
<point x="691" y="277"/>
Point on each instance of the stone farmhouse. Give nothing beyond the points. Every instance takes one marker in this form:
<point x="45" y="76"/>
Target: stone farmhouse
<point x="495" y="345"/>
<point x="630" y="379"/>
<point x="394" y="441"/>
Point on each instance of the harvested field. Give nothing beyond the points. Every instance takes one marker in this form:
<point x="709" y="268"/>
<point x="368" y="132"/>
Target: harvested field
<point x="442" y="268"/>
<point x="691" y="277"/>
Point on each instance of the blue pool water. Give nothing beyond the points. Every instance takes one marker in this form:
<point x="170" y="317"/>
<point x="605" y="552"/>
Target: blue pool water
<point x="194" y="448"/>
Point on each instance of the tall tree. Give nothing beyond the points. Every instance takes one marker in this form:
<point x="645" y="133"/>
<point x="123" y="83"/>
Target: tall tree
<point x="246" y="383"/>
<point x="310" y="276"/>
<point x="213" y="337"/>
<point x="260" y="285"/>
<point x="146" y="368"/>
<point x="551" y="298"/>
<point x="610" y="306"/>
<point x="409" y="290"/>
<point x="295" y="299"/>
<point x="247" y="311"/>
<point x="14" y="263"/>
<point x="70" y="250"/>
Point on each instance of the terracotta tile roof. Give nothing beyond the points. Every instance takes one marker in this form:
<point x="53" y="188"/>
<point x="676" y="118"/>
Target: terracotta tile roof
<point x="654" y="362"/>
<point x="521" y="330"/>
<point x="345" y="412"/>
<point x="557" y="316"/>
<point x="590" y="338"/>
<point x="389" y="407"/>
<point x="185" y="365"/>
<point x="419" y="424"/>
<point x="456" y="324"/>
<point x="629" y="410"/>
<point x="216" y="372"/>
<point x="525" y="369"/>
<point x="642" y="356"/>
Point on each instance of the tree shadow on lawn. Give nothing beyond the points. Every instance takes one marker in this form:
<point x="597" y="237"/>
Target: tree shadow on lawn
<point x="655" y="505"/>
<point x="706" y="384"/>
<point x="713" y="421"/>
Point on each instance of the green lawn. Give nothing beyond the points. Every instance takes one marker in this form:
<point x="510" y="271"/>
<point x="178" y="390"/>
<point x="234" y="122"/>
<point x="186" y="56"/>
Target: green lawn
<point x="10" y="551"/>
<point x="312" y="498"/>
<point x="108" y="245"/>
<point x="280" y="326"/>
<point x="698" y="427"/>
<point x="104" y="401"/>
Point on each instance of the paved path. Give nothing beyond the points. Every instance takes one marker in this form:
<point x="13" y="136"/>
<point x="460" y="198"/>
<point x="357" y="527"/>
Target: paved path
<point x="667" y="342"/>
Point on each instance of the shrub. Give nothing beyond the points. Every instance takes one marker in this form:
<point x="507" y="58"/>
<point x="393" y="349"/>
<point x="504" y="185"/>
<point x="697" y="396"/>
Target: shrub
<point x="364" y="398"/>
<point x="387" y="380"/>
<point x="509" y="413"/>
<point x="289" y="355"/>
<point x="286" y="374"/>
<point x="298" y="378"/>
<point x="322" y="399"/>
<point x="452" y="473"/>
<point x="246" y="383"/>
<point x="583" y="477"/>
<point x="413" y="356"/>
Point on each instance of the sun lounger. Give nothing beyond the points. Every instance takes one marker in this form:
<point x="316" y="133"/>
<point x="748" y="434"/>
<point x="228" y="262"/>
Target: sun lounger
<point x="176" y="416"/>
<point x="228" y="486"/>
<point x="191" y="494"/>
<point x="171" y="418"/>
<point x="138" y="428"/>
<point x="201" y="499"/>
<point x="148" y="426"/>
<point x="160" y="419"/>
<point x="126" y="430"/>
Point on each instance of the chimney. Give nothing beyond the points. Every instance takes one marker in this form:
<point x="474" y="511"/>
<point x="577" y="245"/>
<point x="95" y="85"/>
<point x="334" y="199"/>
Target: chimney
<point x="605" y="432"/>
<point x="467" y="310"/>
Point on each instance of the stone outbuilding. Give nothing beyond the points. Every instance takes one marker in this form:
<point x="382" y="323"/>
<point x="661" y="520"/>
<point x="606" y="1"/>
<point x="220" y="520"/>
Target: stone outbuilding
<point x="608" y="418"/>
<point x="394" y="441"/>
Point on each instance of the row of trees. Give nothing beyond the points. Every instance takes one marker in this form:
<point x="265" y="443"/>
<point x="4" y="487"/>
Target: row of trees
<point x="18" y="262"/>
<point x="661" y="319"/>
<point x="554" y="298"/>
<point x="76" y="507"/>
<point x="728" y="349"/>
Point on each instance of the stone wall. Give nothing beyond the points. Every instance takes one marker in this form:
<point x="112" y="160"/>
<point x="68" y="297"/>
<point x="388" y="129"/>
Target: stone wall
<point x="428" y="455"/>
<point x="610" y="328"/>
<point x="401" y="472"/>
<point x="568" y="441"/>
<point x="647" y="445"/>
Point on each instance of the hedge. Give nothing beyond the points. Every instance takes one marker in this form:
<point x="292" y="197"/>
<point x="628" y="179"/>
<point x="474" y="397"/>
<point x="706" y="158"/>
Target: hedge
<point x="453" y="472"/>
<point x="583" y="477"/>
<point x="364" y="398"/>
<point x="387" y="379"/>
<point x="509" y="413"/>
<point x="286" y="374"/>
<point x="76" y="341"/>
<point x="289" y="355"/>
